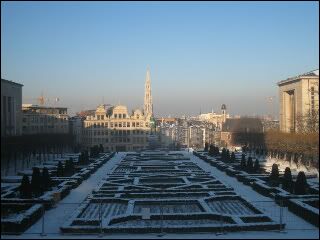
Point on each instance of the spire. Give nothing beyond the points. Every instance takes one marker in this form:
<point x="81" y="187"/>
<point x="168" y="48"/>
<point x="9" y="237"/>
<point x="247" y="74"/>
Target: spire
<point x="147" y="95"/>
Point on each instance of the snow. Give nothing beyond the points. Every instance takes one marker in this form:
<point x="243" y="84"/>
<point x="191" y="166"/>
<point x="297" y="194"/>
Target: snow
<point x="295" y="226"/>
<point x="56" y="216"/>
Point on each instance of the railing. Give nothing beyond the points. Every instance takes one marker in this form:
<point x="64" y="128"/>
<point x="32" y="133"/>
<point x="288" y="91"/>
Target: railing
<point x="163" y="218"/>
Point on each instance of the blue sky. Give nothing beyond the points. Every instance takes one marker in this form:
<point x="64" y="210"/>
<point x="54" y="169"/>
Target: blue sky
<point x="201" y="54"/>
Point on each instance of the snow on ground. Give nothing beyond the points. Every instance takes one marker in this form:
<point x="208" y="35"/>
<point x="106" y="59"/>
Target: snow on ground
<point x="55" y="217"/>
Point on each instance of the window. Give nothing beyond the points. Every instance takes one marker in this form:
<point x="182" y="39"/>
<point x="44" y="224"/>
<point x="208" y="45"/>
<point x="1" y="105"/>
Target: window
<point x="128" y="124"/>
<point x="120" y="125"/>
<point x="124" y="115"/>
<point x="102" y="117"/>
<point x="115" y="124"/>
<point x="120" y="115"/>
<point x="115" y="115"/>
<point x="106" y="124"/>
<point x="98" y="117"/>
<point x="137" y="124"/>
<point x="111" y="125"/>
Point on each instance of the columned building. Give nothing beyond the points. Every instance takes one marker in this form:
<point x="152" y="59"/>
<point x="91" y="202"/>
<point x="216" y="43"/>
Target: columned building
<point x="298" y="97"/>
<point x="11" y="102"/>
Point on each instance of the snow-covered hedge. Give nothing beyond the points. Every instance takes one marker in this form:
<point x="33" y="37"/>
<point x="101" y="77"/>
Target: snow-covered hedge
<point x="300" y="207"/>
<point x="19" y="222"/>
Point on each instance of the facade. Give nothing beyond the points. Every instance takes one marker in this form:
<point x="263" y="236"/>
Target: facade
<point x="298" y="96"/>
<point x="76" y="128"/>
<point x="11" y="114"/>
<point x="43" y="120"/>
<point x="235" y="130"/>
<point x="117" y="130"/>
<point x="214" y="118"/>
<point x="186" y="132"/>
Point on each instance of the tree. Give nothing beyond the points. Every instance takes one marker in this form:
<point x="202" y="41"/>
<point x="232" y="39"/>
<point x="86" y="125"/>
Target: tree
<point x="287" y="180"/>
<point x="233" y="157"/>
<point x="216" y="151"/>
<point x="227" y="158"/>
<point x="243" y="161"/>
<point x="206" y="146"/>
<point x="60" y="170"/>
<point x="25" y="187"/>
<point x="211" y="150"/>
<point x="101" y="148"/>
<point x="301" y="184"/>
<point x="223" y="154"/>
<point x="69" y="167"/>
<point x="274" y="176"/>
<point x="256" y="166"/>
<point x="36" y="184"/>
<point x="46" y="180"/>
<point x="249" y="165"/>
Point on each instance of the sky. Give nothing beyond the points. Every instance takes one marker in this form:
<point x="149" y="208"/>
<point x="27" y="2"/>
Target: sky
<point x="200" y="54"/>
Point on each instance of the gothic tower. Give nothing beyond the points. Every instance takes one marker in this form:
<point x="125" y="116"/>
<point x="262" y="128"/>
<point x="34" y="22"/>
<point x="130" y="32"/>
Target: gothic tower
<point x="148" y="111"/>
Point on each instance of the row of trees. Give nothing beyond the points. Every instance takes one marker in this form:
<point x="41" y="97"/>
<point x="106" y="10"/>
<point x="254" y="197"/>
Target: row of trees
<point x="25" y="147"/>
<point x="301" y="147"/>
<point x="39" y="183"/>
<point x="299" y="187"/>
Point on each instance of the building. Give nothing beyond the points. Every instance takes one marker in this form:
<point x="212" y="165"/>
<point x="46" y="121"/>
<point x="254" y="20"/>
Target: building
<point x="43" y="119"/>
<point x="11" y="114"/>
<point x="236" y="130"/>
<point x="76" y="128"/>
<point x="215" y="118"/>
<point x="298" y="97"/>
<point x="117" y="130"/>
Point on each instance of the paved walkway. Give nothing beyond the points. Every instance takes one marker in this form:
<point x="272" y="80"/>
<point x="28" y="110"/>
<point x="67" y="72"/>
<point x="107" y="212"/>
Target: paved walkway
<point x="55" y="217"/>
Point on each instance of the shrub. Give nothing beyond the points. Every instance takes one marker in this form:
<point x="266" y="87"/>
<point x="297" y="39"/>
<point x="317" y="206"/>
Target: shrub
<point x="46" y="180"/>
<point x="256" y="166"/>
<point x="233" y="157"/>
<point x="60" y="170"/>
<point x="25" y="187"/>
<point x="69" y="168"/>
<point x="243" y="161"/>
<point x="249" y="165"/>
<point x="301" y="184"/>
<point x="36" y="184"/>
<point x="274" y="176"/>
<point x="206" y="147"/>
<point x="287" y="180"/>
<point x="211" y="150"/>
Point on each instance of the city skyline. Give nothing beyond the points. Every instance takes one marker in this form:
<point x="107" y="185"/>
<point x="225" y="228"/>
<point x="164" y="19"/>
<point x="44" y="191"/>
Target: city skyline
<point x="199" y="56"/>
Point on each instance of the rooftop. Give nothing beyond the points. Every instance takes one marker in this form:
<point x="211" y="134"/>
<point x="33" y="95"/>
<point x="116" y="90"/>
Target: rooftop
<point x="314" y="73"/>
<point x="8" y="81"/>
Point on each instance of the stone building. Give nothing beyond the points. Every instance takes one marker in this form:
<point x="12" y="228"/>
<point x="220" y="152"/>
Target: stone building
<point x="11" y="114"/>
<point x="215" y="118"/>
<point x="117" y="130"/>
<point x="43" y="119"/>
<point x="298" y="97"/>
<point x="236" y="130"/>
